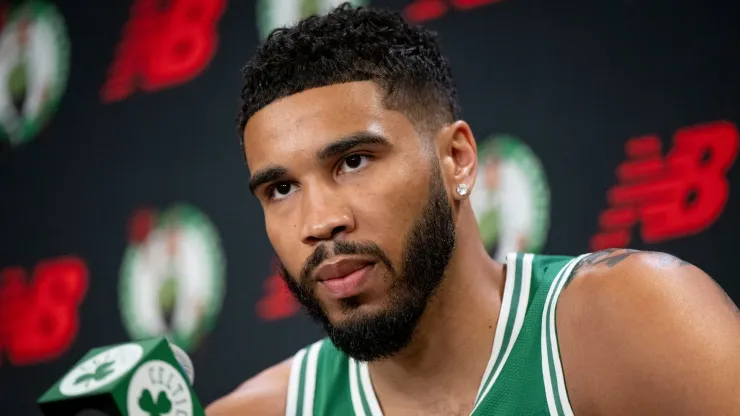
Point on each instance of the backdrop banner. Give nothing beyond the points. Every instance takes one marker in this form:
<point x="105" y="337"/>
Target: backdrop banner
<point x="124" y="200"/>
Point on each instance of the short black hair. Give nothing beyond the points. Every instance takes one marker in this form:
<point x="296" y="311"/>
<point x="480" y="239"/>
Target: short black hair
<point x="354" y="44"/>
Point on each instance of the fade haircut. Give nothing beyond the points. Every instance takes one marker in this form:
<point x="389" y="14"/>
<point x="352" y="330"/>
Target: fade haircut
<point x="354" y="44"/>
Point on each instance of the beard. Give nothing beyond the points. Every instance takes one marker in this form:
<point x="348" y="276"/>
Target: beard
<point x="428" y="247"/>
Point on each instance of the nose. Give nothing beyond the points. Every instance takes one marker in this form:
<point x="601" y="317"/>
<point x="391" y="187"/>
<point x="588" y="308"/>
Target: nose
<point x="325" y="215"/>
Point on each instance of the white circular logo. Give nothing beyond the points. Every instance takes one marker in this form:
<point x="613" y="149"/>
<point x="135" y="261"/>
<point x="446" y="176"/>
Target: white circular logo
<point x="511" y="199"/>
<point x="272" y="14"/>
<point x="172" y="276"/>
<point x="157" y="388"/>
<point x="34" y="65"/>
<point x="101" y="370"/>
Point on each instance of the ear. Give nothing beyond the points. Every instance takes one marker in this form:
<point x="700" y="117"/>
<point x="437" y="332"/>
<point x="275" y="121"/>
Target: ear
<point x="459" y="158"/>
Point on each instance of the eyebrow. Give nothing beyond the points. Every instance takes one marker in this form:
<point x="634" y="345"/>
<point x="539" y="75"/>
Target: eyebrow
<point x="268" y="174"/>
<point x="348" y="143"/>
<point x="338" y="147"/>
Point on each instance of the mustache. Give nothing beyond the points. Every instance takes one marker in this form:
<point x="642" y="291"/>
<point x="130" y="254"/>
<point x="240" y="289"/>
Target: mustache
<point x="321" y="253"/>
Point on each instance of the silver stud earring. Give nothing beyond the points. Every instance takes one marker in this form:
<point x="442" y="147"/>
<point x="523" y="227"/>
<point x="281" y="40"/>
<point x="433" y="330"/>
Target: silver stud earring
<point x="462" y="189"/>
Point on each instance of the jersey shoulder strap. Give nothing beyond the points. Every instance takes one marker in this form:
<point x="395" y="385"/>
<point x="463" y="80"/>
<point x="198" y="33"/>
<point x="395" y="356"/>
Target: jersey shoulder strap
<point x="302" y="381"/>
<point x="320" y="381"/>
<point x="552" y="368"/>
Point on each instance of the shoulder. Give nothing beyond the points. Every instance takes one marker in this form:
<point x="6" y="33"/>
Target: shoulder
<point x="637" y="330"/>
<point x="264" y="394"/>
<point x="646" y="272"/>
<point x="616" y="281"/>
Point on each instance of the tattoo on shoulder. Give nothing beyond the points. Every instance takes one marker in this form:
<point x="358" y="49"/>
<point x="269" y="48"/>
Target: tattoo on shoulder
<point x="613" y="256"/>
<point x="667" y="260"/>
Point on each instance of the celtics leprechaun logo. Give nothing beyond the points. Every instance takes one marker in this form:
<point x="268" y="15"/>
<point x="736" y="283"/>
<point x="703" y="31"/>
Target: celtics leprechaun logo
<point x="158" y="389"/>
<point x="34" y="64"/>
<point x="100" y="370"/>
<point x="172" y="276"/>
<point x="511" y="199"/>
<point x="272" y="14"/>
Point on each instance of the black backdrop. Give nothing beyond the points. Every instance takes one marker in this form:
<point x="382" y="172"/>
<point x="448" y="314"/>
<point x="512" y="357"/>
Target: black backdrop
<point x="112" y="170"/>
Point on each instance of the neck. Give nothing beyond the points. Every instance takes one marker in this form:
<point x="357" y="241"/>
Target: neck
<point x="453" y="341"/>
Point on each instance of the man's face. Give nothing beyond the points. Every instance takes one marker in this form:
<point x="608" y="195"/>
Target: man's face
<point x="356" y="209"/>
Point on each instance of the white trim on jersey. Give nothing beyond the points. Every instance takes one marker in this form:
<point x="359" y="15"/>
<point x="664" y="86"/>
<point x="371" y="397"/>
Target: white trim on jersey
<point x="309" y="388"/>
<point x="549" y="393"/>
<point x="548" y="328"/>
<point x="560" y="378"/>
<point x="354" y="389"/>
<point x="503" y="317"/>
<point x="367" y="387"/>
<point x="291" y="405"/>
<point x="521" y="312"/>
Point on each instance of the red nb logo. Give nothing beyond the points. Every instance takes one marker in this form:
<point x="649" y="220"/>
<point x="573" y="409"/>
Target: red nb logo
<point x="278" y="301"/>
<point x="4" y="9"/>
<point x="675" y="196"/>
<point x="425" y="10"/>
<point x="162" y="47"/>
<point x="39" y="318"/>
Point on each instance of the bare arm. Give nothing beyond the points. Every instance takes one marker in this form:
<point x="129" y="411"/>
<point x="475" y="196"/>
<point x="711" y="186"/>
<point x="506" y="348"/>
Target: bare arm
<point x="646" y="333"/>
<point x="265" y="395"/>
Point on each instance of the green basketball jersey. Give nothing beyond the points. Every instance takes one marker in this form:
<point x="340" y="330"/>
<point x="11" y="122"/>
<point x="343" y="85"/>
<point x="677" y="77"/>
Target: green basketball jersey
<point x="524" y="375"/>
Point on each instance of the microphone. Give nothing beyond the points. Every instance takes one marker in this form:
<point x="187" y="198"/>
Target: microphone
<point x="151" y="377"/>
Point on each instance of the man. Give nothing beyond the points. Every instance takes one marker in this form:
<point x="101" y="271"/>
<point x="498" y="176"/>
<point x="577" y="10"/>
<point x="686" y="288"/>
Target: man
<point x="352" y="134"/>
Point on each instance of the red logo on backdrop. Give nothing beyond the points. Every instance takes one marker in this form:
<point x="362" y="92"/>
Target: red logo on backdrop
<point x="425" y="10"/>
<point x="676" y="196"/>
<point x="4" y="9"/>
<point x="163" y="46"/>
<point x="39" y="316"/>
<point x="278" y="301"/>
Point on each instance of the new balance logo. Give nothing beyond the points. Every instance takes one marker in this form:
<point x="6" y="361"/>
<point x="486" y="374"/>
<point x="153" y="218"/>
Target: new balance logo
<point x="39" y="317"/>
<point x="679" y="195"/>
<point x="425" y="10"/>
<point x="4" y="9"/>
<point x="164" y="44"/>
<point x="277" y="302"/>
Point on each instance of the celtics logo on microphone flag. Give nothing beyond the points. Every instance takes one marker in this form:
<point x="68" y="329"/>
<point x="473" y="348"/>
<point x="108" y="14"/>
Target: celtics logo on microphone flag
<point x="172" y="275"/>
<point x="100" y="370"/>
<point x="141" y="378"/>
<point x="158" y="388"/>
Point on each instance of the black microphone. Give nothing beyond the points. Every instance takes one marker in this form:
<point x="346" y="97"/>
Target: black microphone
<point x="152" y="377"/>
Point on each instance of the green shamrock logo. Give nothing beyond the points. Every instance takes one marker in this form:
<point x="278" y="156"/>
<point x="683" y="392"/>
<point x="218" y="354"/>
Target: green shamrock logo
<point x="98" y="374"/>
<point x="160" y="407"/>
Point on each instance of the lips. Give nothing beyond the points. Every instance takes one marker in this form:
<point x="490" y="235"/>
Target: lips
<point x="344" y="278"/>
<point x="339" y="269"/>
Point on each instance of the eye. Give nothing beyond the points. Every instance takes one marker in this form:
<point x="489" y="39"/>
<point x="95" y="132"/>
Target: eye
<point x="353" y="162"/>
<point x="280" y="190"/>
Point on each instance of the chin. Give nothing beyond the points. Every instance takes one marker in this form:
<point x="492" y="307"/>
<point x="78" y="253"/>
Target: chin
<point x="353" y="309"/>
